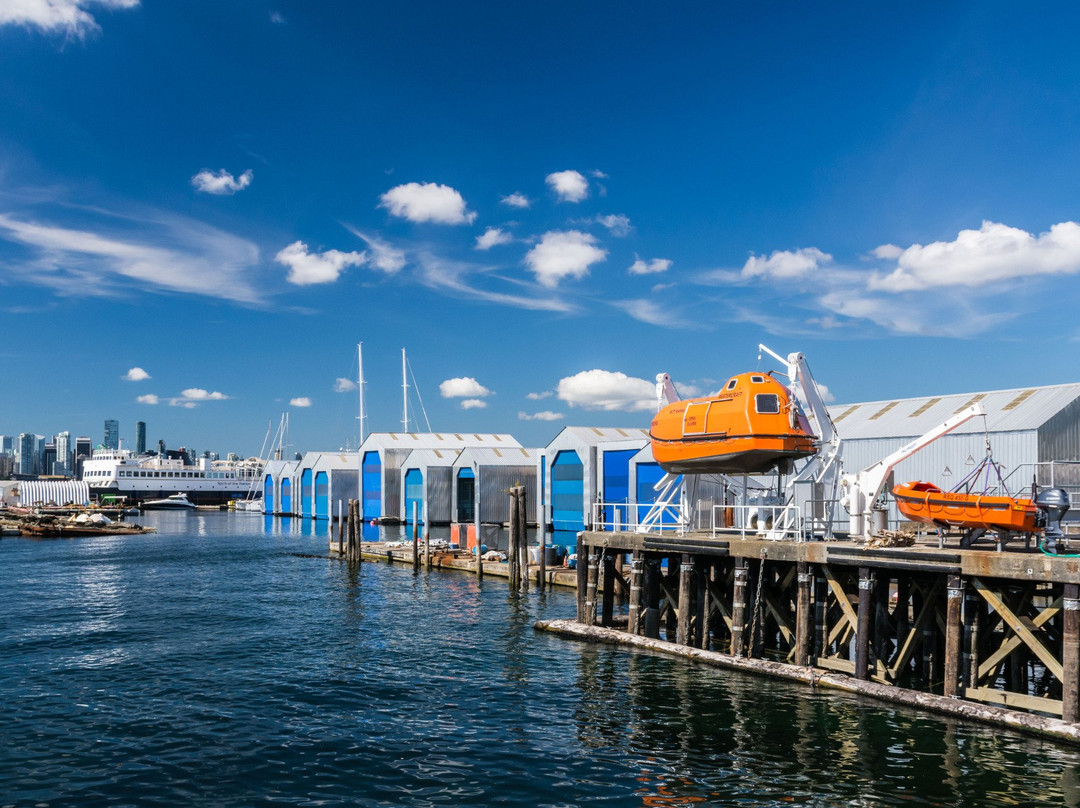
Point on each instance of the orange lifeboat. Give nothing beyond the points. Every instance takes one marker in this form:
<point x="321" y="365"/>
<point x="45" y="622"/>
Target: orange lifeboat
<point x="925" y="502"/>
<point x="752" y="426"/>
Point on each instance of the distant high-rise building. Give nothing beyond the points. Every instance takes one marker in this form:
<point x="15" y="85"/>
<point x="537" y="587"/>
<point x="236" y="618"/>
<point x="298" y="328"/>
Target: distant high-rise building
<point x="112" y="433"/>
<point x="7" y="445"/>
<point x="64" y="464"/>
<point x="27" y="454"/>
<point x="84" y="448"/>
<point x="161" y="448"/>
<point x="48" y="458"/>
<point x="140" y="437"/>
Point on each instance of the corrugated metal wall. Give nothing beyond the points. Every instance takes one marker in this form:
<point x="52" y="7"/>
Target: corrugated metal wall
<point x="392" y="460"/>
<point x="343" y="487"/>
<point x="1059" y="439"/>
<point x="491" y="497"/>
<point x="439" y="482"/>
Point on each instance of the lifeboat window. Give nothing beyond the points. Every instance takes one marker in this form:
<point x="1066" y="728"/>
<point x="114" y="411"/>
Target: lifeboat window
<point x="757" y="379"/>
<point x="767" y="402"/>
<point x="731" y="384"/>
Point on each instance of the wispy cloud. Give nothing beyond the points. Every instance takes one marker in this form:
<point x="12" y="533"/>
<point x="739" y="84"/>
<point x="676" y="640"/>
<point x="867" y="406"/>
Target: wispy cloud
<point x="307" y="268"/>
<point x="543" y="415"/>
<point x="617" y="224"/>
<point x="343" y="385"/>
<point x="569" y="186"/>
<point x="457" y="278"/>
<point x="473" y="404"/>
<point x="492" y="237"/>
<point x="427" y="202"/>
<point x="68" y="16"/>
<point x="383" y="255"/>
<point x="165" y="253"/>
<point x="221" y="183"/>
<point x="194" y="396"/>
<point x="149" y="398"/>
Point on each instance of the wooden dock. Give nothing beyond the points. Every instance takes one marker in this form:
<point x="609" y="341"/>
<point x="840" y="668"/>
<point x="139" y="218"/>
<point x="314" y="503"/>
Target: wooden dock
<point x="997" y="630"/>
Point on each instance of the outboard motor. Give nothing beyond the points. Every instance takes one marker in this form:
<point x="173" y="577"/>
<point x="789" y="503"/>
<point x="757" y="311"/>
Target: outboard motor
<point x="1053" y="504"/>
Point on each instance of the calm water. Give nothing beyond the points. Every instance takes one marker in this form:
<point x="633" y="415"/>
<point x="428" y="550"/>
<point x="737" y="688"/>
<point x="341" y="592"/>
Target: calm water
<point x="216" y="663"/>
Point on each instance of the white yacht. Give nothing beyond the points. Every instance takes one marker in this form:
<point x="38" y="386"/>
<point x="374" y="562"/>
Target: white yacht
<point x="119" y="473"/>
<point x="176" y="502"/>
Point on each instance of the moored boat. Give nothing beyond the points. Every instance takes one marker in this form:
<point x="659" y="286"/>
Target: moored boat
<point x="752" y="426"/>
<point x="925" y="502"/>
<point x="176" y="502"/>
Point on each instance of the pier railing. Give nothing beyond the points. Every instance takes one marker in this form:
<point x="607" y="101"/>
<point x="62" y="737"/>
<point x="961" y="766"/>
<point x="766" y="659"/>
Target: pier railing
<point x="770" y="522"/>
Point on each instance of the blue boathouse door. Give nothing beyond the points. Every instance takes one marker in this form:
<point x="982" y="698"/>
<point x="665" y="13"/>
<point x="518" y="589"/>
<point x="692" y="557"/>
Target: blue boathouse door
<point x="322" y="498"/>
<point x="372" y="486"/>
<point x="414" y="492"/>
<point x="286" y="496"/>
<point x="305" y="493"/>
<point x="567" y="497"/>
<point x="268" y="494"/>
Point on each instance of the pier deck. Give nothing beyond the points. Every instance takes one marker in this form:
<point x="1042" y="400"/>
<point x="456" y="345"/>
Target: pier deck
<point x="999" y="629"/>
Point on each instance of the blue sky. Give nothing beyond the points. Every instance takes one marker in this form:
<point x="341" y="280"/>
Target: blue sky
<point x="547" y="204"/>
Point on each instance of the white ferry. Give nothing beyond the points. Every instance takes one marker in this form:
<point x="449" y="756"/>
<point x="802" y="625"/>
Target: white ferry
<point x="115" y="473"/>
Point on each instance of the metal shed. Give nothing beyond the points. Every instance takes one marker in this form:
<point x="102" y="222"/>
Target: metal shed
<point x="327" y="479"/>
<point x="428" y="476"/>
<point x="1027" y="429"/>
<point x="383" y="453"/>
<point x="279" y="486"/>
<point x="583" y="465"/>
<point x="482" y="477"/>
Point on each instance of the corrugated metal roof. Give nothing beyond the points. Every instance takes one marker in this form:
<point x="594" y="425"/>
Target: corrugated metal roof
<point x="434" y="440"/>
<point x="1006" y="411"/>
<point x="422" y="458"/>
<point x="595" y="435"/>
<point x="490" y="456"/>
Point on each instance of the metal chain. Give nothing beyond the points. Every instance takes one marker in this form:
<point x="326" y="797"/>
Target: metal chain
<point x="757" y="606"/>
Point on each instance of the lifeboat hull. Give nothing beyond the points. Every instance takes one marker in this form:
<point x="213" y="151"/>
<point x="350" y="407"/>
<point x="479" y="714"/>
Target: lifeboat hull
<point x="751" y="427"/>
<point x="925" y="502"/>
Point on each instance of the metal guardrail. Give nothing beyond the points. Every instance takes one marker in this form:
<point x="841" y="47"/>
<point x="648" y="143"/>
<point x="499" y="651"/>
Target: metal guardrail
<point x="627" y="516"/>
<point x="771" y="522"/>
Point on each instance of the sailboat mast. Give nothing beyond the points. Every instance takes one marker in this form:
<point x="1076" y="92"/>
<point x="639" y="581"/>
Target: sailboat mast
<point x="404" y="395"/>
<point x="360" y="384"/>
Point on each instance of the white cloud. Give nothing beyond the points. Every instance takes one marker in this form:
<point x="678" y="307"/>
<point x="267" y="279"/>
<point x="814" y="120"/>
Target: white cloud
<point x="190" y="257"/>
<point x="889" y="252"/>
<point x="618" y="224"/>
<point x="149" y="398"/>
<point x="543" y="415"/>
<point x="473" y="404"/>
<point x="307" y="268"/>
<point x="456" y="278"/>
<point x="57" y="15"/>
<point x="563" y="254"/>
<point x="785" y="264"/>
<point x="492" y="237"/>
<point x="384" y="256"/>
<point x="302" y="401"/>
<point x="539" y="396"/>
<point x="607" y="390"/>
<point x="221" y="183"/>
<point x="516" y="200"/>
<point x="343" y="385"/>
<point x="136" y="375"/>
<point x="641" y="267"/>
<point x="427" y="202"/>
<point x="993" y="253"/>
<point x="826" y="394"/>
<point x="464" y="387"/>
<point x="600" y="175"/>
<point x="194" y="396"/>
<point x="569" y="186"/>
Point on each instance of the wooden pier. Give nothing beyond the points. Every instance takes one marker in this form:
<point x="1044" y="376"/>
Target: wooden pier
<point x="999" y="631"/>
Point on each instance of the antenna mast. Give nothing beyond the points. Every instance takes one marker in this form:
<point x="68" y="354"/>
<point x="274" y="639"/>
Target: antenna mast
<point x="404" y="395"/>
<point x="360" y="384"/>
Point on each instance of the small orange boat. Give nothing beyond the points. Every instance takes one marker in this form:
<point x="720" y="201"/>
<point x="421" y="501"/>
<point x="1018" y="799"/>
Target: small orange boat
<point x="925" y="502"/>
<point x="752" y="426"/>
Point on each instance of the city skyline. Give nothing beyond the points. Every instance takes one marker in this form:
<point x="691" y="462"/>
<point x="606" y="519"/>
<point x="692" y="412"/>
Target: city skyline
<point x="546" y="205"/>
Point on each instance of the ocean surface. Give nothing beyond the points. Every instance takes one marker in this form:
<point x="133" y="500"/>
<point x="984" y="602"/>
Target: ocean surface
<point x="225" y="661"/>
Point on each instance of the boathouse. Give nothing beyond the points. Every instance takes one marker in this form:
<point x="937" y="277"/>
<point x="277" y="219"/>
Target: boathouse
<point x="280" y="487"/>
<point x="326" y="481"/>
<point x="1033" y="433"/>
<point x="586" y="465"/>
<point x="427" y="475"/>
<point x="383" y="453"/>
<point x="483" y="475"/>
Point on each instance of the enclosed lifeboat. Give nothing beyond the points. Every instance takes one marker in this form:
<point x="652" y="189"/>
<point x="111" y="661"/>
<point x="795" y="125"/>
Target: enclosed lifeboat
<point x="752" y="426"/>
<point x="925" y="502"/>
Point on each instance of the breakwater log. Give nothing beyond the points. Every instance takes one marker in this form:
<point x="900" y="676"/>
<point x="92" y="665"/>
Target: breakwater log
<point x="1042" y="726"/>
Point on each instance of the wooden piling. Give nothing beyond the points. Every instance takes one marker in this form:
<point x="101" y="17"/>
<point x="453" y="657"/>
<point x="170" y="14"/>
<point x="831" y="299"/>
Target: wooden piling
<point x="862" y="632"/>
<point x="581" y="568"/>
<point x="513" y="557"/>
<point x="954" y="632"/>
<point x="427" y="547"/>
<point x="686" y="599"/>
<point x="701" y="604"/>
<point x="415" y="536"/>
<point x="591" y="586"/>
<point x="636" y="572"/>
<point x="607" y="603"/>
<point x="738" y="608"/>
<point x="1070" y="654"/>
<point x="523" y="539"/>
<point x="803" y="624"/>
<point x="650" y="593"/>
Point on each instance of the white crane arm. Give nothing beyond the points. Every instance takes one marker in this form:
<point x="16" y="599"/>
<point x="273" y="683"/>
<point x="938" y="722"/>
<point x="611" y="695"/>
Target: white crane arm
<point x="871" y="480"/>
<point x="665" y="391"/>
